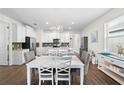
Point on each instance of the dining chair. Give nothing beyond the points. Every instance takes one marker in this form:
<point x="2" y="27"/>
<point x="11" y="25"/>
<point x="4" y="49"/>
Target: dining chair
<point x="38" y="51"/>
<point x="45" y="74"/>
<point x="63" y="70"/>
<point x="76" y="72"/>
<point x="63" y="52"/>
<point x="71" y="52"/>
<point x="44" y="51"/>
<point x="86" y="67"/>
<point x="52" y="52"/>
<point x="84" y="56"/>
<point x="29" y="56"/>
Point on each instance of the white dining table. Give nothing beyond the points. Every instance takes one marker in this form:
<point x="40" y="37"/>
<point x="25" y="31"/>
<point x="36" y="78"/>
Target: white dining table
<point x="46" y="60"/>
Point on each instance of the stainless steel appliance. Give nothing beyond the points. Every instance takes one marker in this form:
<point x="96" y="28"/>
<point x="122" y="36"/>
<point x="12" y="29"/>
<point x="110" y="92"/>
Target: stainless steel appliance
<point x="30" y="43"/>
<point x="56" y="43"/>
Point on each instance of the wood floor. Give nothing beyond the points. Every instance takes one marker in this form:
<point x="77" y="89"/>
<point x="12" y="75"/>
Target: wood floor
<point x="97" y="77"/>
<point x="16" y="75"/>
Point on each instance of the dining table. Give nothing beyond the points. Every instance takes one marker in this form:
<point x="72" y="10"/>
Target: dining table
<point x="47" y="60"/>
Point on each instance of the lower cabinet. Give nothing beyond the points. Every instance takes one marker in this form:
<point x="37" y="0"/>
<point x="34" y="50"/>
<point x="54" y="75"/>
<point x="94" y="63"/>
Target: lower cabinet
<point x="111" y="67"/>
<point x="18" y="56"/>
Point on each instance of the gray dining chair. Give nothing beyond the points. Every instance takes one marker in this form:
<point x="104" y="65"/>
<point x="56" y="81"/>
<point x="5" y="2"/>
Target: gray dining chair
<point x="85" y="58"/>
<point x="29" y="56"/>
<point x="86" y="67"/>
<point x="63" y="52"/>
<point x="53" y="52"/>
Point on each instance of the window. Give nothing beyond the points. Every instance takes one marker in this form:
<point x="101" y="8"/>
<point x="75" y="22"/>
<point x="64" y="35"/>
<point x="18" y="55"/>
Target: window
<point x="114" y="35"/>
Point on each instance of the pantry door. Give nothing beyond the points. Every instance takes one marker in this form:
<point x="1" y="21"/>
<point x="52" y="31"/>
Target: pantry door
<point x="4" y="44"/>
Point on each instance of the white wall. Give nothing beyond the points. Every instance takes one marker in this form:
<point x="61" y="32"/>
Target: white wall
<point x="98" y="25"/>
<point x="9" y="21"/>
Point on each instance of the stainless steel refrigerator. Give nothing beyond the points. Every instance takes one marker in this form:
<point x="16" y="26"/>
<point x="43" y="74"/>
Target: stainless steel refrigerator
<point x="30" y="43"/>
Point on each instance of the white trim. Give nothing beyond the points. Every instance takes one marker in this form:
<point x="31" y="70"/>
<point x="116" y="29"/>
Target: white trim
<point x="9" y="40"/>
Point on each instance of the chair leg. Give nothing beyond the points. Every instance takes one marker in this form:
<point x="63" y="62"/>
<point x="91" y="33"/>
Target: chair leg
<point x="69" y="82"/>
<point x="52" y="82"/>
<point x="39" y="82"/>
<point x="56" y="82"/>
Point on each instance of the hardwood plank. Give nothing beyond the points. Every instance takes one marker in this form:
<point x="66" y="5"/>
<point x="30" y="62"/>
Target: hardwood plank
<point x="97" y="77"/>
<point x="16" y="75"/>
<point x="13" y="75"/>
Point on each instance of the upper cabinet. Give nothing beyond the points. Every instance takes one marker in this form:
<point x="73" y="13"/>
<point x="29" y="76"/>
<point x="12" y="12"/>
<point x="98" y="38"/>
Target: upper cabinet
<point x="49" y="36"/>
<point x="30" y="32"/>
<point x="18" y="32"/>
<point x="65" y="37"/>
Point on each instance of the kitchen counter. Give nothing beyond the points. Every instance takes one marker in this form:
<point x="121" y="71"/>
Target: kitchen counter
<point x="18" y="56"/>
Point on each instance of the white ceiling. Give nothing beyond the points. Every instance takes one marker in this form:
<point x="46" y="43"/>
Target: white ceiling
<point x="55" y="16"/>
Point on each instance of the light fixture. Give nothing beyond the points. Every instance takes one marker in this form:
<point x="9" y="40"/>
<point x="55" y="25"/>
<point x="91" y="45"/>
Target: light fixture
<point x="72" y="22"/>
<point x="57" y="28"/>
<point x="47" y="23"/>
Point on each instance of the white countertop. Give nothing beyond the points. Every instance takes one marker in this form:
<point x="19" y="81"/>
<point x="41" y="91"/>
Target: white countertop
<point x="45" y="60"/>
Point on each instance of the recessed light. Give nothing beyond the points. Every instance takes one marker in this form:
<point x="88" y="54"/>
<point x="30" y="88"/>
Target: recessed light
<point x="72" y="22"/>
<point x="47" y="23"/>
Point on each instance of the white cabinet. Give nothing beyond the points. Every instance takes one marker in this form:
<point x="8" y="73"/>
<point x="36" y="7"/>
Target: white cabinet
<point x="65" y="37"/>
<point x="112" y="67"/>
<point x="28" y="29"/>
<point x="49" y="36"/>
<point x="18" y="56"/>
<point x="18" y="33"/>
<point x="30" y="32"/>
<point x="45" y="37"/>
